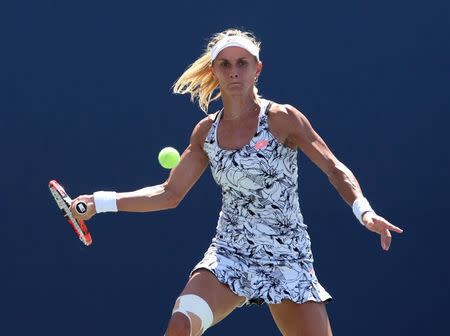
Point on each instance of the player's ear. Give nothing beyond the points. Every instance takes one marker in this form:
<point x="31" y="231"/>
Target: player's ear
<point x="259" y="67"/>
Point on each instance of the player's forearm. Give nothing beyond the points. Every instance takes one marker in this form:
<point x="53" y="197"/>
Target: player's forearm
<point x="147" y="199"/>
<point x="345" y="183"/>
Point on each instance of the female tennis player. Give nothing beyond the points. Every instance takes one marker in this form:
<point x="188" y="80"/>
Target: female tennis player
<point x="261" y="252"/>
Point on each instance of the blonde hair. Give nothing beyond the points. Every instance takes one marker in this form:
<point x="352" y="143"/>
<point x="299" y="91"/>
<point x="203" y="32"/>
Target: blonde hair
<point x="198" y="80"/>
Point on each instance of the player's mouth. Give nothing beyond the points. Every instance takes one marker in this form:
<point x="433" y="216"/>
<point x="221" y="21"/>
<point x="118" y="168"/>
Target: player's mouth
<point x="233" y="84"/>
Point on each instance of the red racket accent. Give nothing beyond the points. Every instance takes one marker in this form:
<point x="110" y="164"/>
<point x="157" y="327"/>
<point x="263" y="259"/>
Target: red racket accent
<point x="63" y="201"/>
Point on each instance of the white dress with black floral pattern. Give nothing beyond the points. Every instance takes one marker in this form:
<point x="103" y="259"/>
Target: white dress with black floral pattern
<point x="261" y="250"/>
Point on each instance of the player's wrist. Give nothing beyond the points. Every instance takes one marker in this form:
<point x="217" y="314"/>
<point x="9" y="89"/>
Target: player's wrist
<point x="105" y="201"/>
<point x="360" y="207"/>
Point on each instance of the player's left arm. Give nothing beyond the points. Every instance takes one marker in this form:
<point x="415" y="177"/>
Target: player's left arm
<point x="299" y="133"/>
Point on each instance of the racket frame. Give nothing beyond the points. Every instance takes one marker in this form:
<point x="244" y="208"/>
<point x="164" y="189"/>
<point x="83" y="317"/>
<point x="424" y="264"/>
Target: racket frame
<point x="63" y="201"/>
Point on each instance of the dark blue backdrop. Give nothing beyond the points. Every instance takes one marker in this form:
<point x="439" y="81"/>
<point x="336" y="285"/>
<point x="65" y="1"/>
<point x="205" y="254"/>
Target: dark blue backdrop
<point x="85" y="98"/>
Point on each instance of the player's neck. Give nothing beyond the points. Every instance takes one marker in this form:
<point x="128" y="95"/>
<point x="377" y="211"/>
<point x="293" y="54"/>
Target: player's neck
<point x="239" y="107"/>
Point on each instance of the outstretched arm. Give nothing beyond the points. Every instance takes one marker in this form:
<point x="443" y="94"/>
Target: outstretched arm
<point x="298" y="133"/>
<point x="168" y="194"/>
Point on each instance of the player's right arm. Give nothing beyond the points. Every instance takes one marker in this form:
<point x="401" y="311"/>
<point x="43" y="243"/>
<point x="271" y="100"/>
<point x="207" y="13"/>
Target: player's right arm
<point x="181" y="179"/>
<point x="170" y="193"/>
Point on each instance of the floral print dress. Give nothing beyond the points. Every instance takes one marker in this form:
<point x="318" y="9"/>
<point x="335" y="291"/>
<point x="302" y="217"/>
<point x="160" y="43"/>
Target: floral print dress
<point x="261" y="249"/>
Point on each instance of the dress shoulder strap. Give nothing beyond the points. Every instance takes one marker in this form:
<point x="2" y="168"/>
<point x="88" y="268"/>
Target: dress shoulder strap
<point x="217" y="115"/>
<point x="268" y="107"/>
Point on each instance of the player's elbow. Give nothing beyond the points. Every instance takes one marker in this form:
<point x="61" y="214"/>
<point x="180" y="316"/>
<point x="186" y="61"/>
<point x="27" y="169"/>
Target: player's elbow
<point x="336" y="172"/>
<point x="340" y="174"/>
<point x="172" y="199"/>
<point x="173" y="202"/>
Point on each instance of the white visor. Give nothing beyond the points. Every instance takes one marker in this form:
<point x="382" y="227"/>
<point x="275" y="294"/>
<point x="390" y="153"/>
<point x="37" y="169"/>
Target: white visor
<point x="234" y="41"/>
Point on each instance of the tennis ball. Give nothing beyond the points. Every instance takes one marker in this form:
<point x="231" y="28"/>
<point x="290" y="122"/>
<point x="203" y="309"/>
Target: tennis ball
<point x="169" y="157"/>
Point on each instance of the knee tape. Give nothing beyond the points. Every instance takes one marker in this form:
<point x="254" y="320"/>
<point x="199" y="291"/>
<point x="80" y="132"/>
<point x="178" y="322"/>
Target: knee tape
<point x="194" y="304"/>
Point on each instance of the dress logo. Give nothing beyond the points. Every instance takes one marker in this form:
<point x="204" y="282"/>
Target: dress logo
<point x="261" y="144"/>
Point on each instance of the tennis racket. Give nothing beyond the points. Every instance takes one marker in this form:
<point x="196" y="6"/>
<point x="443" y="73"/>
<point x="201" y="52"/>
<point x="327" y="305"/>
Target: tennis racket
<point x="63" y="201"/>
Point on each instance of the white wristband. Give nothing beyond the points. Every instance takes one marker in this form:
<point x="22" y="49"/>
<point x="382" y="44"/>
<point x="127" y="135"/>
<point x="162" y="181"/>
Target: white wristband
<point x="360" y="206"/>
<point x="105" y="201"/>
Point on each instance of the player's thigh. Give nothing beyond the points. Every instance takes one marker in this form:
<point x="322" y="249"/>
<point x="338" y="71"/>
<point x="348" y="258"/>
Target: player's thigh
<point x="306" y="319"/>
<point x="219" y="297"/>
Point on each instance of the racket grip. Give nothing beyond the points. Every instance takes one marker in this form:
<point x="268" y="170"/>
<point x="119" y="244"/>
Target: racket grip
<point x="81" y="207"/>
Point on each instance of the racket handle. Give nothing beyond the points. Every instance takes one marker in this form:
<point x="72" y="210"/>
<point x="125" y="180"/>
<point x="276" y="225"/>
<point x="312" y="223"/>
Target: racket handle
<point x="81" y="207"/>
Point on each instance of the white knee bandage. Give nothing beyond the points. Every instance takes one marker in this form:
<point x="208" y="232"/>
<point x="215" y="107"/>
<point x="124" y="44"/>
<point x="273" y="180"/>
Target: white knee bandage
<point x="194" y="304"/>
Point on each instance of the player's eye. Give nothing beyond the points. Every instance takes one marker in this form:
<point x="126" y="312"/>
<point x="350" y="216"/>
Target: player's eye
<point x="242" y="62"/>
<point x="225" y="64"/>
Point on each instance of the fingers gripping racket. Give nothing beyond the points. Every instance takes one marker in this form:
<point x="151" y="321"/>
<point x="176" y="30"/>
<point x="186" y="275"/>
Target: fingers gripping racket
<point x="63" y="201"/>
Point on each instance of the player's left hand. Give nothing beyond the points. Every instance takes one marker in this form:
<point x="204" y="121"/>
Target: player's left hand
<point x="378" y="224"/>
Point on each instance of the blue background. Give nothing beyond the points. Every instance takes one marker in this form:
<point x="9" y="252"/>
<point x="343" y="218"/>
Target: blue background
<point x="85" y="99"/>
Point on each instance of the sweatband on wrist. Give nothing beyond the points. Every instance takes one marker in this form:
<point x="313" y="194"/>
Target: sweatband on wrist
<point x="105" y="201"/>
<point x="360" y="207"/>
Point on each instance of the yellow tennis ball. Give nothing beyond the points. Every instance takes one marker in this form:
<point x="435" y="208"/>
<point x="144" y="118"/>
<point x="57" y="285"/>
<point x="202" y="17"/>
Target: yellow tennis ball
<point x="169" y="157"/>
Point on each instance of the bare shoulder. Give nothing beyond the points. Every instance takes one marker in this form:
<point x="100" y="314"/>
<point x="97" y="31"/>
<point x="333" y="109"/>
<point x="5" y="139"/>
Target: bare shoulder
<point x="285" y="113"/>
<point x="286" y="121"/>
<point x="202" y="128"/>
